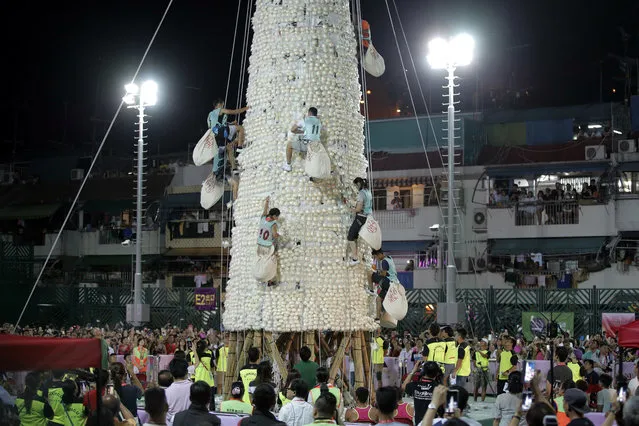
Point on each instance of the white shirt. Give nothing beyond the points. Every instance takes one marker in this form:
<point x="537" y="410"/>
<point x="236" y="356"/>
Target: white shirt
<point x="296" y="413"/>
<point x="178" y="398"/>
<point x="632" y="386"/>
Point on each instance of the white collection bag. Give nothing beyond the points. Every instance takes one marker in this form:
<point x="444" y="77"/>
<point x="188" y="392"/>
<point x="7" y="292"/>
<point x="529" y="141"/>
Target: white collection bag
<point x="265" y="269"/>
<point x="318" y="163"/>
<point x="371" y="233"/>
<point x="205" y="149"/>
<point x="395" y="302"/>
<point x="211" y="192"/>
<point x="373" y="62"/>
<point x="387" y="321"/>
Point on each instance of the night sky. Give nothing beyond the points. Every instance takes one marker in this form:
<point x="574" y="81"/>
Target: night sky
<point x="65" y="62"/>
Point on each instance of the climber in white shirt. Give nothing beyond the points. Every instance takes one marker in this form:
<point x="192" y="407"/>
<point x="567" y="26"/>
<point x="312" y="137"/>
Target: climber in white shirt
<point x="310" y="129"/>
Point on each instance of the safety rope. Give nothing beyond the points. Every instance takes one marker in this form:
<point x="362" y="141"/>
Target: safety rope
<point x="90" y="169"/>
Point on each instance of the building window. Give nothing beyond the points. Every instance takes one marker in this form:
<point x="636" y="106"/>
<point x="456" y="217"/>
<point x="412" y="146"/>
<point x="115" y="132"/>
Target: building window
<point x="379" y="199"/>
<point x="406" y="194"/>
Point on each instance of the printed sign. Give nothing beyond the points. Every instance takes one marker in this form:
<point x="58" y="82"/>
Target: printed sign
<point x="205" y="299"/>
<point x="535" y="323"/>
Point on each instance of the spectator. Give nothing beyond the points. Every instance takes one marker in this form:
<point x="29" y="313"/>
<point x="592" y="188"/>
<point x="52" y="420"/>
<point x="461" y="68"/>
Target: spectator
<point x="605" y="396"/>
<point x="178" y="394"/>
<point x="508" y="403"/>
<point x="387" y="405"/>
<point x="165" y="378"/>
<point x="362" y="412"/>
<point x="631" y="411"/>
<point x="32" y="408"/>
<point x="249" y="371"/>
<point x="306" y="367"/>
<point x="298" y="412"/>
<point x="439" y="400"/>
<point x="325" y="407"/>
<point x="264" y="375"/>
<point x="155" y="404"/>
<point x="561" y="373"/>
<point x="634" y="382"/>
<point x="235" y="404"/>
<point x="575" y="406"/>
<point x="129" y="394"/>
<point x="263" y="401"/>
<point x="198" y="412"/>
<point x="397" y="201"/>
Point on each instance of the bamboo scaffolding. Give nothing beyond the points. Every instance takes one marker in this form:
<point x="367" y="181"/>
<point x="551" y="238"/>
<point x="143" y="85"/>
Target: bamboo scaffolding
<point x="231" y="362"/>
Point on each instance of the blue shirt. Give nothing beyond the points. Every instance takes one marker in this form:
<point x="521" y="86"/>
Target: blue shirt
<point x="214" y="118"/>
<point x="366" y="198"/>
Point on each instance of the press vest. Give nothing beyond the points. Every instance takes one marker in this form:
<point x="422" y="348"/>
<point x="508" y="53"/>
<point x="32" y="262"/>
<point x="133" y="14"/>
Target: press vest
<point x="74" y="414"/>
<point x="283" y="399"/>
<point x="204" y="370"/>
<point x="316" y="392"/>
<point x="436" y="351"/>
<point x="312" y="128"/>
<point x="55" y="400"/>
<point x="464" y="370"/>
<point x="236" y="406"/>
<point x="247" y="375"/>
<point x="223" y="353"/>
<point x="504" y="364"/>
<point x="265" y="237"/>
<point x="481" y="361"/>
<point x="378" y="354"/>
<point x="35" y="417"/>
<point x="451" y="351"/>
<point x="576" y="370"/>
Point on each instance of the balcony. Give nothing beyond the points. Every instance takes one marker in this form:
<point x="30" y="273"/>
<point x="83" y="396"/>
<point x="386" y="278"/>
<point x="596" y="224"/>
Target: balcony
<point x="407" y="224"/>
<point x="556" y="219"/>
<point x="194" y="234"/>
<point x="105" y="243"/>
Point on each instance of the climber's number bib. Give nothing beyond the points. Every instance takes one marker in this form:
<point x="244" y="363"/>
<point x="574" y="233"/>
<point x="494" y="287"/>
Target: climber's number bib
<point x="265" y="234"/>
<point x="315" y="129"/>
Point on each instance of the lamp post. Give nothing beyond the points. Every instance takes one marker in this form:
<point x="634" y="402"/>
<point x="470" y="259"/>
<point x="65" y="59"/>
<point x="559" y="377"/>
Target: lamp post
<point x="138" y="313"/>
<point x="448" y="55"/>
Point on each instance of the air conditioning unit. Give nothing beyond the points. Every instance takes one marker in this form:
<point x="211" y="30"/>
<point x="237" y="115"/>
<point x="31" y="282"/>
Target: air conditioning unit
<point x="597" y="152"/>
<point x="77" y="174"/>
<point x="480" y="222"/>
<point x="626" y="146"/>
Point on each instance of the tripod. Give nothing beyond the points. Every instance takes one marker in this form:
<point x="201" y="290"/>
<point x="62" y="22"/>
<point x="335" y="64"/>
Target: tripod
<point x="552" y="330"/>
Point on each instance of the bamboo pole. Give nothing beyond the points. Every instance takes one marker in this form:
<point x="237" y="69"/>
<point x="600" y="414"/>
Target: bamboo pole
<point x="289" y="349"/>
<point x="275" y="355"/>
<point x="357" y="360"/>
<point x="326" y="350"/>
<point x="367" y="365"/>
<point x="231" y="362"/>
<point x="257" y="341"/>
<point x="248" y="340"/>
<point x="339" y="357"/>
<point x="310" y="342"/>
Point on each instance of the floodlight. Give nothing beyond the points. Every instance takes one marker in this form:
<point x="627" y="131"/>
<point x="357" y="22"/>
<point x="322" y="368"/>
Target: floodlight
<point x="129" y="99"/>
<point x="438" y="53"/>
<point x="132" y="88"/>
<point x="149" y="94"/>
<point x="461" y="48"/>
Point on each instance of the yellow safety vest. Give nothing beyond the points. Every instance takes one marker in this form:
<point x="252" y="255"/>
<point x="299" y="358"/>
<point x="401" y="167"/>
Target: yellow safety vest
<point x="237" y="407"/>
<point x="283" y="399"/>
<point x="436" y="351"/>
<point x="33" y="417"/>
<point x="75" y="414"/>
<point x="221" y="362"/>
<point x="247" y="375"/>
<point x="504" y="364"/>
<point x="481" y="361"/>
<point x="464" y="370"/>
<point x="378" y="354"/>
<point x="575" y="368"/>
<point x="451" y="352"/>
<point x="317" y="391"/>
<point x="55" y="400"/>
<point x="204" y="370"/>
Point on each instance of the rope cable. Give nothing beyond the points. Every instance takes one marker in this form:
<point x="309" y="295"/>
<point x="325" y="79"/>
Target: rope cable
<point x="89" y="170"/>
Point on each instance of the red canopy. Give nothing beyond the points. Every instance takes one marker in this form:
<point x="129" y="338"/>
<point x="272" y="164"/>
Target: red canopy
<point x="628" y="335"/>
<point x="24" y="353"/>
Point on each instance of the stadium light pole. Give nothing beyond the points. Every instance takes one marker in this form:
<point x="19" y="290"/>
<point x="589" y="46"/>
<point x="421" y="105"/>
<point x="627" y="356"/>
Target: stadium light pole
<point x="139" y="98"/>
<point x="448" y="55"/>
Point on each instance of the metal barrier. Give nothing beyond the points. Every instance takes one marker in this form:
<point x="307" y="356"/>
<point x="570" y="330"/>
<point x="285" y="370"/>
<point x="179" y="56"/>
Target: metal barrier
<point x="564" y="212"/>
<point x="487" y="310"/>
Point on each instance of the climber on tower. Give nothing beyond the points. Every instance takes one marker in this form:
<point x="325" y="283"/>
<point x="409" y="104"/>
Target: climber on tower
<point x="383" y="276"/>
<point x="268" y="229"/>
<point x="311" y="131"/>
<point x="225" y="133"/>
<point x="362" y="209"/>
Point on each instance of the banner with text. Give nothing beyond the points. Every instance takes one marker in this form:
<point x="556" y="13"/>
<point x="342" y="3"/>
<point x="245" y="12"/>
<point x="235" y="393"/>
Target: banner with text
<point x="205" y="299"/>
<point x="535" y="323"/>
<point x="610" y="323"/>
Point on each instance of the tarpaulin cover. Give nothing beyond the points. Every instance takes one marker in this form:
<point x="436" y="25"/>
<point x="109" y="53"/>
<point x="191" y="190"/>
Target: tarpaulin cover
<point x="628" y="336"/>
<point x="24" y="353"/>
